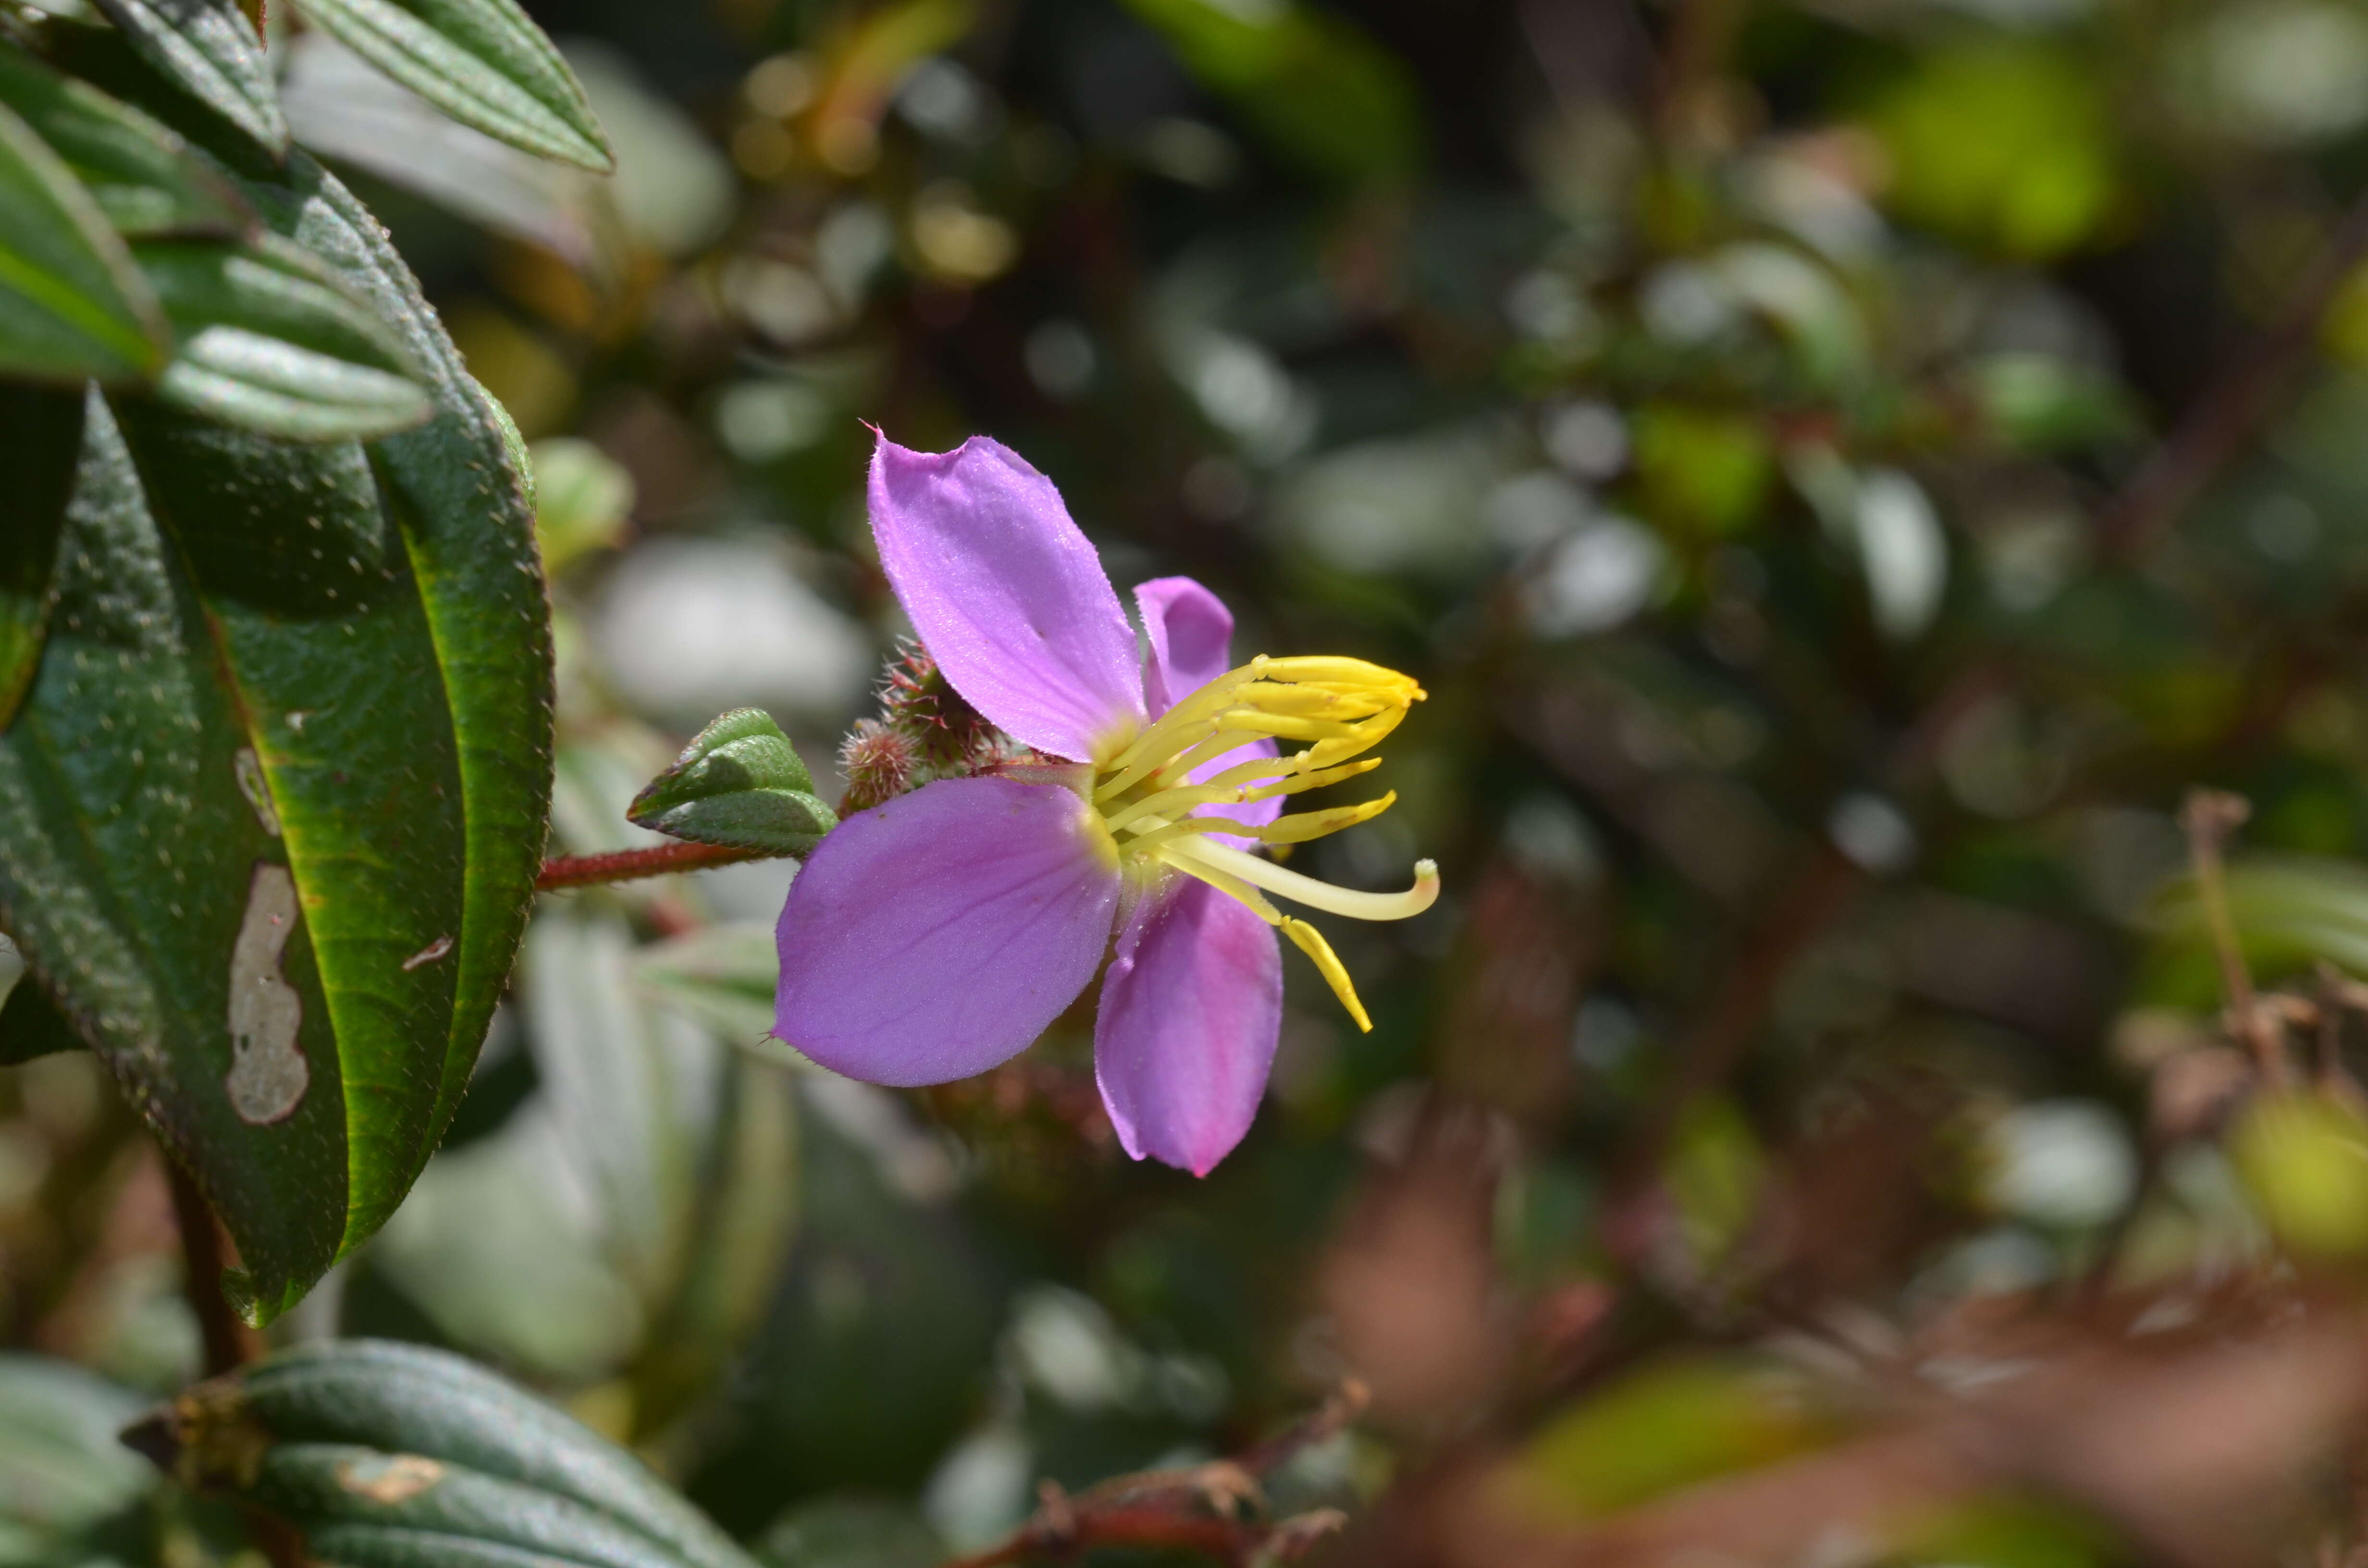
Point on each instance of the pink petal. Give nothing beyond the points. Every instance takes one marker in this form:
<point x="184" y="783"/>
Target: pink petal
<point x="1190" y="1011"/>
<point x="1191" y="637"/>
<point x="937" y="936"/>
<point x="1006" y="593"/>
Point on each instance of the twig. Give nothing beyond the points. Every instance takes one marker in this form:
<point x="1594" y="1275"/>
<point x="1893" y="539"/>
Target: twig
<point x="630" y="865"/>
<point x="2208" y="818"/>
<point x="2220" y="425"/>
<point x="2211" y="436"/>
<point x="229" y="1343"/>
<point x="1188" y="1510"/>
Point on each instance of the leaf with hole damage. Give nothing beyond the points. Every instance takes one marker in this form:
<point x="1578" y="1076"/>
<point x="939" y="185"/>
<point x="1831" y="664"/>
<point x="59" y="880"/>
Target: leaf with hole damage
<point x="481" y="62"/>
<point x="396" y="1456"/>
<point x="271" y="814"/>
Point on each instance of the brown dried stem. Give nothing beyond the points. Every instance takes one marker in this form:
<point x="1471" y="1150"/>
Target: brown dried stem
<point x="2209" y="817"/>
<point x="1201" y="1509"/>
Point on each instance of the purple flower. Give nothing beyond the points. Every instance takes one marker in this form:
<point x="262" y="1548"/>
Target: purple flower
<point x="936" y="935"/>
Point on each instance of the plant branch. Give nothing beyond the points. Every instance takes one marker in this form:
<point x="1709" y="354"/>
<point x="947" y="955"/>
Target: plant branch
<point x="229" y="1343"/>
<point x="1201" y="1509"/>
<point x="2225" y="419"/>
<point x="2209" y="817"/>
<point x="632" y="865"/>
<point x="2212" y="435"/>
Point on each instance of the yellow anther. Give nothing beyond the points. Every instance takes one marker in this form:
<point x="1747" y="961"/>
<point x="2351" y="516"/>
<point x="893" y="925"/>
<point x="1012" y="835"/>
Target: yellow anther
<point x="1309" y="940"/>
<point x="1330" y="667"/>
<point x="1157" y="832"/>
<point x="1306" y="825"/>
<point x="1335" y="709"/>
<point x="1172" y="803"/>
<point x="1316" y="779"/>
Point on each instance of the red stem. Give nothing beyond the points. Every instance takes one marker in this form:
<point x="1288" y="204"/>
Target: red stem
<point x="630" y="865"/>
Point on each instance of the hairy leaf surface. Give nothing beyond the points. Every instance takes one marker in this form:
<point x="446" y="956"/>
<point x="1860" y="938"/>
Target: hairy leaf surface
<point x="270" y="817"/>
<point x="482" y="61"/>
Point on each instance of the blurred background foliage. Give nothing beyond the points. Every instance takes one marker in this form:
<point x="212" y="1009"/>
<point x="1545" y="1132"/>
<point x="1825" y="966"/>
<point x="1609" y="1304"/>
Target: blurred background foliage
<point x="1844" y="469"/>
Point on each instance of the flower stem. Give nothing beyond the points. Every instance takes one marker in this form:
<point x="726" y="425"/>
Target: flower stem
<point x="628" y="865"/>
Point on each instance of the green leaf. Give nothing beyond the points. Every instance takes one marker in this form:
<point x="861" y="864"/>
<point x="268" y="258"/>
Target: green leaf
<point x="1315" y="86"/>
<point x="209" y="50"/>
<point x="40" y="433"/>
<point x="481" y="62"/>
<point x="142" y="175"/>
<point x="725" y="976"/>
<point x="290" y="743"/>
<point x="63" y="1477"/>
<point x="71" y="304"/>
<point x="682" y="1154"/>
<point x="584" y="500"/>
<point x="850" y="1532"/>
<point x="394" y="1456"/>
<point x="740" y="784"/>
<point x="271" y="342"/>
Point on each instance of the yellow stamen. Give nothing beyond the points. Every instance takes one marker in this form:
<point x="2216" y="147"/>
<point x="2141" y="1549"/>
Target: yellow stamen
<point x="1306" y="889"/>
<point x="1306" y="825"/>
<point x="1309" y="940"/>
<point x="1145" y="800"/>
<point x="1233" y="887"/>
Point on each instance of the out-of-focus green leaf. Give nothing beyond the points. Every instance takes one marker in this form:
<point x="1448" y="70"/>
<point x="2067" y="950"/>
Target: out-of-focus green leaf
<point x="680" y="1158"/>
<point x="2304" y="1159"/>
<point x="41" y="431"/>
<point x="271" y="342"/>
<point x="62" y="1474"/>
<point x="584" y="499"/>
<point x="1707" y="470"/>
<point x="745" y="1223"/>
<point x="392" y="1456"/>
<point x="1658" y="1430"/>
<point x="850" y="1532"/>
<point x="141" y="175"/>
<point x="870" y="1362"/>
<point x="742" y="784"/>
<point x="2004" y="145"/>
<point x="723" y="976"/>
<point x="211" y="51"/>
<point x="344" y="109"/>
<point x="2290" y="912"/>
<point x="71" y="304"/>
<point x="482" y="61"/>
<point x="287" y="747"/>
<point x="1309" y="81"/>
<point x="2045" y="405"/>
